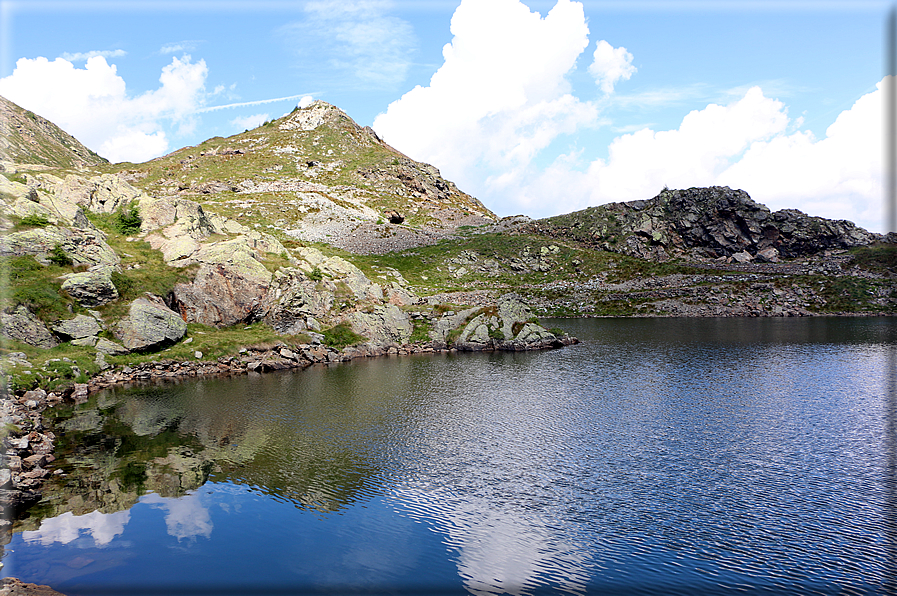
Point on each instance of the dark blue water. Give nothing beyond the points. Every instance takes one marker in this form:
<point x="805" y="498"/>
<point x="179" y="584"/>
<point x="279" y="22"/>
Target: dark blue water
<point x="667" y="456"/>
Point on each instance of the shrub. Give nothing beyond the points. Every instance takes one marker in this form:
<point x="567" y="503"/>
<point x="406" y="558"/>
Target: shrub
<point x="128" y="220"/>
<point x="34" y="220"/>
<point x="57" y="256"/>
<point x="315" y="274"/>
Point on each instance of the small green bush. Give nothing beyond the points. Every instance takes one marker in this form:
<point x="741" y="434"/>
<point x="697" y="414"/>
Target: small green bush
<point x="34" y="220"/>
<point x="315" y="274"/>
<point x="58" y="256"/>
<point x="497" y="334"/>
<point x="128" y="220"/>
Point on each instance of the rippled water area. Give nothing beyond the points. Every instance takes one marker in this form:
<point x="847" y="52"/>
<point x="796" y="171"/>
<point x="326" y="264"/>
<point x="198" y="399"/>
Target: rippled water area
<point x="659" y="456"/>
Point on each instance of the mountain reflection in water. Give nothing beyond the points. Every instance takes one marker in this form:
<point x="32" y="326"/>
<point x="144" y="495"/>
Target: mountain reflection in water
<point x="658" y="456"/>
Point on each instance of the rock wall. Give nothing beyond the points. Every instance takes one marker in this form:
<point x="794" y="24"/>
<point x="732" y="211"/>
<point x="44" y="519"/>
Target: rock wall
<point x="709" y="222"/>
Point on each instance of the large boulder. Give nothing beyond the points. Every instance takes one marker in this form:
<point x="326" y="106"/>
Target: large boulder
<point x="21" y="325"/>
<point x="79" y="327"/>
<point x="223" y="294"/>
<point x="100" y="194"/>
<point x="83" y="246"/>
<point x="384" y="326"/>
<point x="508" y="325"/>
<point x="150" y="325"/>
<point x="295" y="302"/>
<point x="91" y="288"/>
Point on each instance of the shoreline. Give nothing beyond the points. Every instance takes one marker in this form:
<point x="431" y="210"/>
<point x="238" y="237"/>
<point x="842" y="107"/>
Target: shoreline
<point x="29" y="455"/>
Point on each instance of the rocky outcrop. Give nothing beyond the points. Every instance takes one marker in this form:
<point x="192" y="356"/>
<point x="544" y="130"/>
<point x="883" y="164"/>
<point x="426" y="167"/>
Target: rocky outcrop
<point x="150" y="325"/>
<point x="83" y="246"/>
<point x="509" y="325"/>
<point x="385" y="325"/>
<point x="21" y="325"/>
<point x="228" y="288"/>
<point x="703" y="223"/>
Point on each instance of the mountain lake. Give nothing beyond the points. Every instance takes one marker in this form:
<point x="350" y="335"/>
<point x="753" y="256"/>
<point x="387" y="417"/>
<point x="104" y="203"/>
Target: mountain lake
<point x="658" y="456"/>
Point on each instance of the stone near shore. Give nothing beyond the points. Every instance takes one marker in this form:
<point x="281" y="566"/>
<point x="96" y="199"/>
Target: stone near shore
<point x="150" y="325"/>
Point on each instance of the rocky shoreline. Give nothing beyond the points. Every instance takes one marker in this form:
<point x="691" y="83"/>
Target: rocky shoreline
<point x="29" y="445"/>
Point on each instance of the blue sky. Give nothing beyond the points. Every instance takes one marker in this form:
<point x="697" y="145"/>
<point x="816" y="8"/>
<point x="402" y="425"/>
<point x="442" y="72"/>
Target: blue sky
<point x="535" y="107"/>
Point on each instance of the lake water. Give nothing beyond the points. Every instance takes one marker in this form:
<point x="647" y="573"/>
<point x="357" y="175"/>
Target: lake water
<point x="659" y="456"/>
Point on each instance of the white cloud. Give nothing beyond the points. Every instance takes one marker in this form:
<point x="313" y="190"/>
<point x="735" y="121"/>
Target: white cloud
<point x="609" y="65"/>
<point x="359" y="38"/>
<point x="839" y="177"/>
<point x="250" y="122"/>
<point x="93" y="104"/>
<point x="179" y="47"/>
<point x="79" y="56"/>
<point x="305" y="101"/>
<point x="501" y="95"/>
<point x="748" y="144"/>
<point x="186" y="517"/>
<point x="639" y="164"/>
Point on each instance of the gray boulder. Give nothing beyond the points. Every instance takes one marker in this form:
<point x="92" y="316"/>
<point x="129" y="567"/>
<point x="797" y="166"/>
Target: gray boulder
<point x="21" y="325"/>
<point x="91" y="288"/>
<point x="79" y="327"/>
<point x="104" y="346"/>
<point x="384" y="325"/>
<point x="508" y="326"/>
<point x="150" y="325"/>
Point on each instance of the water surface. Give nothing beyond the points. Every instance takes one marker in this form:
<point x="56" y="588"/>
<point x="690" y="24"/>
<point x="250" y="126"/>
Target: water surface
<point x="660" y="456"/>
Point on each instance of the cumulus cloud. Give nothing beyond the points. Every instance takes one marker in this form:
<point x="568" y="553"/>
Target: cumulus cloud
<point x="92" y="103"/>
<point x="839" y="176"/>
<point x="749" y="144"/>
<point x="360" y="38"/>
<point x="501" y="95"/>
<point x="250" y="122"/>
<point x="79" y="56"/>
<point x="609" y="65"/>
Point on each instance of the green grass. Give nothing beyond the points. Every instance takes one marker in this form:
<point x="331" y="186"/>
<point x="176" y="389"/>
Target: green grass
<point x="32" y="220"/>
<point x="38" y="287"/>
<point x="341" y="336"/>
<point x="421" y="331"/>
<point x="881" y="258"/>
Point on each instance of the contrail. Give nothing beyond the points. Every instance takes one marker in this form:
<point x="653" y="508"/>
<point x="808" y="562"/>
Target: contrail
<point x="250" y="103"/>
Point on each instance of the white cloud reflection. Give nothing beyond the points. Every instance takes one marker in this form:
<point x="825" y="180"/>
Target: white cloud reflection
<point x="185" y="517"/>
<point x="65" y="528"/>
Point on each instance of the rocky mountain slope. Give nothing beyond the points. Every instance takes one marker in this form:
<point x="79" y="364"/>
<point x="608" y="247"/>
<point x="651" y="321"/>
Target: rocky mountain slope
<point x="27" y="138"/>
<point x="315" y="176"/>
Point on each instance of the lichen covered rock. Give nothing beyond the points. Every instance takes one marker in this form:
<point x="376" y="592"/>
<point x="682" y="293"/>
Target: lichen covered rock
<point x="150" y="325"/>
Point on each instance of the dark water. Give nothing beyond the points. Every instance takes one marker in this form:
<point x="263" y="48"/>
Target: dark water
<point x="657" y="457"/>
